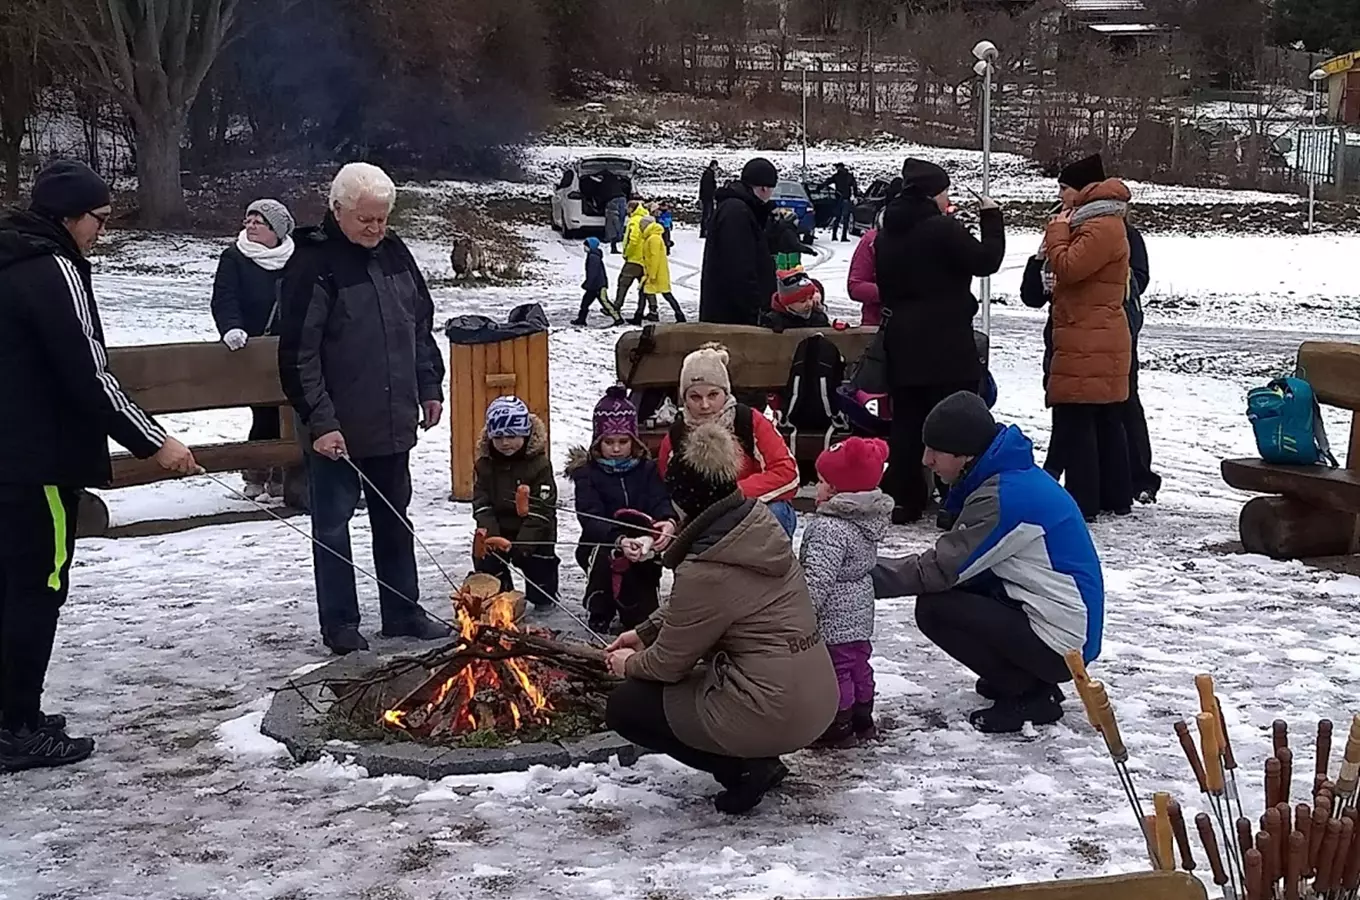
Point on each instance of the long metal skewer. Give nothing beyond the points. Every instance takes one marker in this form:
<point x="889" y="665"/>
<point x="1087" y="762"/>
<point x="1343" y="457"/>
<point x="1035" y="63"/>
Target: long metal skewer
<point x="401" y="517"/>
<point x="558" y="603"/>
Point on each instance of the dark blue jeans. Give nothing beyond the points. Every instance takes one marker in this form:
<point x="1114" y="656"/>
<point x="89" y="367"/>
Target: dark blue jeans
<point x="333" y="487"/>
<point x="845" y="212"/>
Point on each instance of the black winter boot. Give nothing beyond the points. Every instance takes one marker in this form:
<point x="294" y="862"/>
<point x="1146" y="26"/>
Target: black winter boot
<point x="761" y="776"/>
<point x="988" y="691"/>
<point x="862" y="720"/>
<point x="42" y="748"/>
<point x="840" y="734"/>
<point x="1009" y="715"/>
<point x="344" y="640"/>
<point x="419" y="626"/>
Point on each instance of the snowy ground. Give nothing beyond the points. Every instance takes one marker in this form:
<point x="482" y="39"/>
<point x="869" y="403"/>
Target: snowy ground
<point x="171" y="645"/>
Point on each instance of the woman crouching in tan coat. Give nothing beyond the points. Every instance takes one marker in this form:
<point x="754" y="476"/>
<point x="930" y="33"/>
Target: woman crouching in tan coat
<point x="732" y="671"/>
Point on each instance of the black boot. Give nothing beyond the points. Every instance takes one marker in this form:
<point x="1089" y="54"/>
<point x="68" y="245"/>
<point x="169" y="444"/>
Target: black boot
<point x="1009" y="714"/>
<point x="653" y="317"/>
<point x="342" y="641"/>
<point x="761" y="776"/>
<point x="840" y="734"/>
<point x="419" y="626"/>
<point x="41" y="748"/>
<point x="579" y="321"/>
<point x="862" y="719"/>
<point x="987" y="690"/>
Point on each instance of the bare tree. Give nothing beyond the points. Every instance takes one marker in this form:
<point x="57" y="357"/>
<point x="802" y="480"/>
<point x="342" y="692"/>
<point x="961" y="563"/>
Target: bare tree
<point x="151" y="56"/>
<point x="21" y="76"/>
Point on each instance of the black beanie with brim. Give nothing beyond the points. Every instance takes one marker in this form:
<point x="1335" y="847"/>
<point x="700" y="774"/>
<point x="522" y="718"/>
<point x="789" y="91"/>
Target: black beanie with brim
<point x="68" y="188"/>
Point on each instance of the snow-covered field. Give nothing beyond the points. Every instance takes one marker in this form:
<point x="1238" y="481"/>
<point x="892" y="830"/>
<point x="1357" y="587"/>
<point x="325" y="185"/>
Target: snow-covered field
<point x="170" y="646"/>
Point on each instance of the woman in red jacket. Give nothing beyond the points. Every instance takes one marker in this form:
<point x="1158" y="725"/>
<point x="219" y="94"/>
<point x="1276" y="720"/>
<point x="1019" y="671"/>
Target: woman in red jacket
<point x="862" y="282"/>
<point x="768" y="471"/>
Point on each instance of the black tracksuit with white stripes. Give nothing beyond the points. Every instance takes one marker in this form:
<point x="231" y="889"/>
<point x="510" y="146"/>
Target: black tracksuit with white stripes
<point x="59" y="405"/>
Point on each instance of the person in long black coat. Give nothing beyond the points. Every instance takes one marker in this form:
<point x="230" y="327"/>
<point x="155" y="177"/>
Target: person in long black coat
<point x="1033" y="293"/>
<point x="708" y="190"/>
<point x="738" y="277"/>
<point x="925" y="264"/>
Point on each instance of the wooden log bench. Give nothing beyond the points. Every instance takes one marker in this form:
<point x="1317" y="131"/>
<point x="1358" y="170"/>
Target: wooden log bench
<point x="1312" y="511"/>
<point x="759" y="363"/>
<point x="194" y="377"/>
<point x="1131" y="886"/>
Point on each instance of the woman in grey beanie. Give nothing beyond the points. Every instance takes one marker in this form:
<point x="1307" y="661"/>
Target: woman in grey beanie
<point x="245" y="305"/>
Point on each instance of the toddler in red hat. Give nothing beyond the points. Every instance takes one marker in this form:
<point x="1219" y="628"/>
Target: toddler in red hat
<point x="839" y="550"/>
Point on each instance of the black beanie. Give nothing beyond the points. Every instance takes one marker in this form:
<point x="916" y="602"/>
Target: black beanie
<point x="760" y="172"/>
<point x="960" y="424"/>
<point x="704" y="469"/>
<point x="1082" y="173"/>
<point x="67" y="188"/>
<point x="923" y="178"/>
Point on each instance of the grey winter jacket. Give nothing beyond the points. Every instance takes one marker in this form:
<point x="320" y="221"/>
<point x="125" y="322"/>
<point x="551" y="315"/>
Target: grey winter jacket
<point x="839" y="550"/>
<point x="356" y="352"/>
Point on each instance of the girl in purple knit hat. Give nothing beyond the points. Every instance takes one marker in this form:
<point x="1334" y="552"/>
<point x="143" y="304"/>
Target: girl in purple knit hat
<point x="616" y="478"/>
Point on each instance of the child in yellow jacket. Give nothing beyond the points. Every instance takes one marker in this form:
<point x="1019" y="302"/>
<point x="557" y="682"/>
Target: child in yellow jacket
<point x="656" y="267"/>
<point x="632" y="252"/>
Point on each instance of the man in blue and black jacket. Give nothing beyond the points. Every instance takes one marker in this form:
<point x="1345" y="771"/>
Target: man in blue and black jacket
<point x="1016" y="583"/>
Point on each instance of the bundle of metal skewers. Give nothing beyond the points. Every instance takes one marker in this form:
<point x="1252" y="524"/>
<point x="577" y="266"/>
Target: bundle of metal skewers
<point x="1310" y="850"/>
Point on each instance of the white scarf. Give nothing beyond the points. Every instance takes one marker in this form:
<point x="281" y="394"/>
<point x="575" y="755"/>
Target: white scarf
<point x="268" y="258"/>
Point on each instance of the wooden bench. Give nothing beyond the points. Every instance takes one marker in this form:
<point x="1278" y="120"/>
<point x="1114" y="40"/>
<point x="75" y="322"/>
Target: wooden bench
<point x="1132" y="886"/>
<point x="759" y="363"/>
<point x="1313" y="511"/>
<point x="194" y="377"/>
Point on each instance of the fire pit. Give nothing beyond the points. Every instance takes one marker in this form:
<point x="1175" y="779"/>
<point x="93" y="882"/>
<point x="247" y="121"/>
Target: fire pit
<point x="498" y="698"/>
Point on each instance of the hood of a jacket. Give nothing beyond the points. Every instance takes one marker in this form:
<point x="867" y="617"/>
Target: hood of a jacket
<point x="907" y="211"/>
<point x="869" y="511"/>
<point x="746" y="536"/>
<point x="1109" y="189"/>
<point x="1011" y="451"/>
<point x="656" y="228"/>
<point x="739" y="191"/>
<point x="535" y="445"/>
<point x="25" y="235"/>
<point x="595" y="252"/>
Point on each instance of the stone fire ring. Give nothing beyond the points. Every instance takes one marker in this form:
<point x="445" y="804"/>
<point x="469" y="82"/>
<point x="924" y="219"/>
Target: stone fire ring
<point x="293" y="721"/>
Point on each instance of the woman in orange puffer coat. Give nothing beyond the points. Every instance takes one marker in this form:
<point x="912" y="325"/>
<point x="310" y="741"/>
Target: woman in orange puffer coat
<point x="1087" y="251"/>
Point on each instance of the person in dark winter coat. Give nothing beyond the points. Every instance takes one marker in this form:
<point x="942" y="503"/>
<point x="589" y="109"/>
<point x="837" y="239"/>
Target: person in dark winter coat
<point x="615" y="193"/>
<point x="1035" y="293"/>
<point x="925" y="262"/>
<point x="840" y="548"/>
<point x="245" y="304"/>
<point x="360" y="366"/>
<point x="61" y="405"/>
<point x="738" y="268"/>
<point x="799" y="303"/>
<point x="513" y="451"/>
<point x="616" y="478"/>
<point x="596" y="285"/>
<point x="708" y="192"/>
<point x="732" y="672"/>
<point x="1016" y="583"/>
<point x="843" y="180"/>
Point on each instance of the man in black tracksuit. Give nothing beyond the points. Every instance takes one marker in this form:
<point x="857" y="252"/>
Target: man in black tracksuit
<point x="738" y="277"/>
<point x="60" y="405"/>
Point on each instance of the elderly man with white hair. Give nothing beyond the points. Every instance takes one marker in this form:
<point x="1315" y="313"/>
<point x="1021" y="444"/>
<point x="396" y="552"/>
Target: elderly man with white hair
<point x="361" y="367"/>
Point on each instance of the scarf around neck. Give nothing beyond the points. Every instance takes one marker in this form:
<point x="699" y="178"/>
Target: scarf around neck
<point x="727" y="415"/>
<point x="270" y="259"/>
<point x="1084" y="213"/>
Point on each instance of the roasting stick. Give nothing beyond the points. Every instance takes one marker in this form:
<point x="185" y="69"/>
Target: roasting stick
<point x="522" y="501"/>
<point x="1213" y="778"/>
<point x="1323" y="760"/>
<point x="401" y="517"/>
<point x="1205" y="826"/>
<point x="1182" y="837"/>
<point x="1208" y="703"/>
<point x="1166" y="855"/>
<point x="1349" y="778"/>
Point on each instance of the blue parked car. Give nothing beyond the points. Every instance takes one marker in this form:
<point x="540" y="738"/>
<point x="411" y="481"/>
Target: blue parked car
<point x="792" y="195"/>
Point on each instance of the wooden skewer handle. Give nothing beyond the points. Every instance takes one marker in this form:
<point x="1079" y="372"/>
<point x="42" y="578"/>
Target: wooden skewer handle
<point x="1255" y="874"/>
<point x="1166" y="857"/>
<point x="1298" y="851"/>
<point x="1177" y="816"/>
<point x="1192" y="754"/>
<point x="1322" y="812"/>
<point x="1279" y="734"/>
<point x="1273" y="776"/>
<point x="1286" y="758"/>
<point x="1303" y="824"/>
<point x="1205" y="827"/>
<point x="1106" y="722"/>
<point x="1324" y="748"/>
<point x="1229" y="761"/>
<point x="1082" y="682"/>
<point x="1209" y="749"/>
<point x="1350" y="875"/>
<point x="1327" y="858"/>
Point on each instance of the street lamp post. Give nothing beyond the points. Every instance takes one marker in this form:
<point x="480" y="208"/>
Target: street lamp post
<point x="985" y="52"/>
<point x="805" y="175"/>
<point x="1317" y="76"/>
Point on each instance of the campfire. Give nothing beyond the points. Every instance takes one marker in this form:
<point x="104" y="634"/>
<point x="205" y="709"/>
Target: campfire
<point x="497" y="683"/>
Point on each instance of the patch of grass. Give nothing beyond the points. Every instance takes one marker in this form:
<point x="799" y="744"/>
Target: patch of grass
<point x="496" y="884"/>
<point x="1089" y="851"/>
<point x="475" y="832"/>
<point x="419" y="855"/>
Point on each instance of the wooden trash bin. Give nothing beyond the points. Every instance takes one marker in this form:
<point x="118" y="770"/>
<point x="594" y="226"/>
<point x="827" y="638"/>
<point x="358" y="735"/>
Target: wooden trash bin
<point x="479" y="373"/>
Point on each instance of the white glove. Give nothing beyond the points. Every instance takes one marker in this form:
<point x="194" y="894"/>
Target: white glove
<point x="234" y="339"/>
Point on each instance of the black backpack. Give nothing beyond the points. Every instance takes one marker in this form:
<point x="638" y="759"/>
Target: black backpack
<point x="809" y="398"/>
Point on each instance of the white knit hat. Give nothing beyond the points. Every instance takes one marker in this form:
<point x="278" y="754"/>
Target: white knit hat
<point x="707" y="365"/>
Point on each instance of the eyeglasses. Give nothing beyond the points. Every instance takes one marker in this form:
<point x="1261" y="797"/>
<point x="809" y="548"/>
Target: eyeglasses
<point x="103" y="220"/>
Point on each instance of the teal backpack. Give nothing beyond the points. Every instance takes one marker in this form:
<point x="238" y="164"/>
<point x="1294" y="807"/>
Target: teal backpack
<point x="1288" y="424"/>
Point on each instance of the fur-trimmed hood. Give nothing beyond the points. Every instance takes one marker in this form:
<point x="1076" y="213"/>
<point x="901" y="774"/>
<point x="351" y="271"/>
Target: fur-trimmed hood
<point x="535" y="445"/>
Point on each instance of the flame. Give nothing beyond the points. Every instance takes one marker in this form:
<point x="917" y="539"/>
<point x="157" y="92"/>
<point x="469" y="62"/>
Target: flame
<point x="480" y="675"/>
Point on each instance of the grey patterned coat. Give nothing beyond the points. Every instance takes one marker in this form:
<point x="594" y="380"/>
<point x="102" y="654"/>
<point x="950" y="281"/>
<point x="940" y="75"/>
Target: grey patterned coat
<point x="839" y="550"/>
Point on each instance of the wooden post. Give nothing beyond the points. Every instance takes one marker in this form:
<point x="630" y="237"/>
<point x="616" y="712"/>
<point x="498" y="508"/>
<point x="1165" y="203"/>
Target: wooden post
<point x="479" y="373"/>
